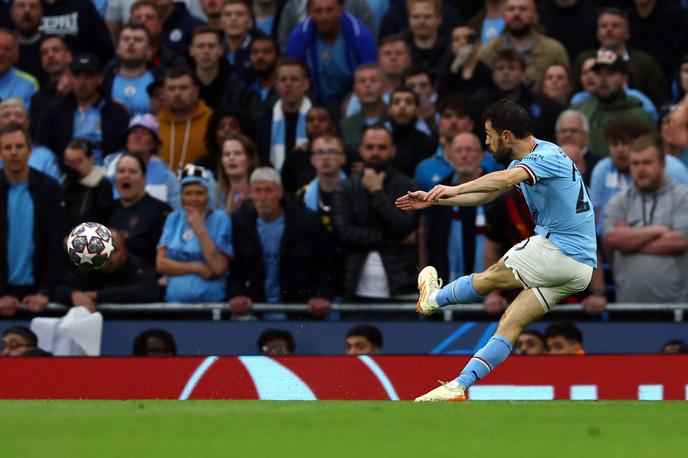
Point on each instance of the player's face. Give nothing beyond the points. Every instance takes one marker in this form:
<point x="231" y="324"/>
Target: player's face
<point x="647" y="169"/>
<point x="194" y="197"/>
<point x="15" y="152"/>
<point x="495" y="144"/>
<point x="528" y="344"/>
<point x="376" y="149"/>
<point x="235" y="161"/>
<point x="129" y="179"/>
<point x="465" y="155"/>
<point x="559" y="345"/>
<point x="368" y="85"/>
<point x="266" y="197"/>
<point x="424" y="20"/>
<point x="327" y="156"/>
<point x="206" y="50"/>
<point x="359" y="345"/>
<point x="77" y="160"/>
<point x="619" y="151"/>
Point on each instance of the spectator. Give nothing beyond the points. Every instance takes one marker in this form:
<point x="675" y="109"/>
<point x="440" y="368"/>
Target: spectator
<point x="410" y="144"/>
<point x="369" y="91"/>
<point x="379" y="239"/>
<point x="394" y="58"/>
<point x="195" y="249"/>
<point x="339" y="36"/>
<point x="557" y="84"/>
<point x="13" y="111"/>
<point x="455" y="237"/>
<point x="609" y="101"/>
<point x="422" y="83"/>
<point x="136" y="214"/>
<point x="87" y="191"/>
<point x="218" y="83"/>
<point x="612" y="175"/>
<point x="81" y="25"/>
<point x="238" y="25"/>
<point x="271" y="236"/>
<point x="613" y="35"/>
<point x="141" y="139"/>
<point x="530" y="342"/>
<point x="648" y="246"/>
<point x="521" y="35"/>
<point x="564" y="338"/>
<point x="14" y="82"/>
<point x="31" y="227"/>
<point x="213" y="11"/>
<point x="570" y="22"/>
<point x="26" y="16"/>
<point x="147" y="14"/>
<point x="572" y="127"/>
<point x="284" y="126"/>
<point x="20" y="341"/>
<point x="178" y="25"/>
<point x="489" y="20"/>
<point x="276" y="342"/>
<point x="363" y="339"/>
<point x="263" y="59"/>
<point x="454" y="119"/>
<point x="154" y="342"/>
<point x="674" y="347"/>
<point x="266" y="14"/>
<point x="428" y="47"/>
<point x="295" y="12"/>
<point x="238" y="161"/>
<point x="397" y="18"/>
<point x="183" y="120"/>
<point x="465" y="72"/>
<point x="224" y="121"/>
<point x="129" y="76"/>
<point x="125" y="279"/>
<point x="84" y="113"/>
<point x="508" y="73"/>
<point x="674" y="133"/>
<point x="55" y="61"/>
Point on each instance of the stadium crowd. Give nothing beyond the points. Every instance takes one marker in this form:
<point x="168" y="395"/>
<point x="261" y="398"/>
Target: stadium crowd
<point x="251" y="152"/>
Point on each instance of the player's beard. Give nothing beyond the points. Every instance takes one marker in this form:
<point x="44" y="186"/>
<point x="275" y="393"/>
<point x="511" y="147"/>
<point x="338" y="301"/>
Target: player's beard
<point x="502" y="155"/>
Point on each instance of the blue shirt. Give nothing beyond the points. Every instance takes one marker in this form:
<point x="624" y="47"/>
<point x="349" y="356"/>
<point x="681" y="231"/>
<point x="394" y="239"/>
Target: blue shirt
<point x="265" y="25"/>
<point x="88" y="126"/>
<point x="559" y="201"/>
<point x="183" y="245"/>
<point x="100" y="5"/>
<point x="132" y="92"/>
<point x="492" y="28"/>
<point x="43" y="160"/>
<point x="16" y="83"/>
<point x="334" y="72"/>
<point x="270" y="234"/>
<point x="606" y="180"/>
<point x="20" y="246"/>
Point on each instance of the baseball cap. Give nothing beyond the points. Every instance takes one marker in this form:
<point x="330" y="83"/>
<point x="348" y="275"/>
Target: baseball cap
<point x="147" y="121"/>
<point x="610" y="60"/>
<point x="86" y="62"/>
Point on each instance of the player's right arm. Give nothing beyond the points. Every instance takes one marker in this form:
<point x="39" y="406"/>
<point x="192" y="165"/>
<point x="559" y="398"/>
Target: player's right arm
<point x="416" y="200"/>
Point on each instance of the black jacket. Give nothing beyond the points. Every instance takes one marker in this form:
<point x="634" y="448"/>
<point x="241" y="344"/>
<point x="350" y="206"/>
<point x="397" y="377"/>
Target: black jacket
<point x="178" y="29"/>
<point x="48" y="229"/>
<point x="365" y="222"/>
<point x="228" y="88"/>
<point x="412" y="147"/>
<point x="86" y="203"/>
<point x="306" y="265"/>
<point x="56" y="128"/>
<point x="133" y="282"/>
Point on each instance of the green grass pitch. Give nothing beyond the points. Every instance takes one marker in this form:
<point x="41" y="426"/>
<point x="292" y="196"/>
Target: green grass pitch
<point x="556" y="429"/>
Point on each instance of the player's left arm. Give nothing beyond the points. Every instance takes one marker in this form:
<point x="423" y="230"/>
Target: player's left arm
<point x="494" y="184"/>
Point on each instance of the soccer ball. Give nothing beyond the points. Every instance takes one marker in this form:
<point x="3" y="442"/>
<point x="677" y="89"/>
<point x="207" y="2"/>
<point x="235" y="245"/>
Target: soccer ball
<point x="90" y="245"/>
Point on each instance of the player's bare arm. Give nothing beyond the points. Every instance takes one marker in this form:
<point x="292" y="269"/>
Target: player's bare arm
<point x="479" y="191"/>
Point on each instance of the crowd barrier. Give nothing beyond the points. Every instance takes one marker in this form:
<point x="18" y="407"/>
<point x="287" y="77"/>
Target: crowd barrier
<point x="348" y="378"/>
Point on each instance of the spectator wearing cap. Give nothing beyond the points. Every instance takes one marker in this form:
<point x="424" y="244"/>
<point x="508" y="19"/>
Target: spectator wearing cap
<point x="272" y="235"/>
<point x="129" y="74"/>
<point x="195" y="248"/>
<point x="333" y="43"/>
<point x="521" y="35"/>
<point x="141" y="139"/>
<point x="613" y="35"/>
<point x="183" y="119"/>
<point x="609" y="100"/>
<point x="85" y="112"/>
<point x="14" y="82"/>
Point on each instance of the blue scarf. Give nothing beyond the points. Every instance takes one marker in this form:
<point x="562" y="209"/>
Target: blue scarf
<point x="278" y="132"/>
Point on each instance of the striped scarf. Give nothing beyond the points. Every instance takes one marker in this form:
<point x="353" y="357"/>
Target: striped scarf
<point x="279" y="132"/>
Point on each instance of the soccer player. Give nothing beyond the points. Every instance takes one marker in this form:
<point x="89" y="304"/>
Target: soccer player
<point x="554" y="263"/>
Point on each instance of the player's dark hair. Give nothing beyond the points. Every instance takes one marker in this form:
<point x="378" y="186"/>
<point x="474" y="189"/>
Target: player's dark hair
<point x="508" y="115"/>
<point x="371" y="333"/>
<point x="81" y="145"/>
<point x="456" y="102"/>
<point x="625" y="129"/>
<point x="164" y="336"/>
<point x="565" y="329"/>
<point x="14" y="127"/>
<point x="268" y="335"/>
<point x="139" y="160"/>
<point x="26" y="333"/>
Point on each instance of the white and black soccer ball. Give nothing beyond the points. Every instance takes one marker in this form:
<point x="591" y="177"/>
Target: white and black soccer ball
<point x="90" y="245"/>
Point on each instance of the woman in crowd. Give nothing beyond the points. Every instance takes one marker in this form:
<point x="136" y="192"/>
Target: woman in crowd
<point x="557" y="84"/>
<point x="196" y="244"/>
<point x="136" y="214"/>
<point x="87" y="191"/>
<point x="239" y="158"/>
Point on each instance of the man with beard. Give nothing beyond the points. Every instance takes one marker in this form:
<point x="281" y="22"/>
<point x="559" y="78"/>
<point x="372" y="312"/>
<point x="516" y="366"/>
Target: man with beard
<point x="554" y="263"/>
<point x="379" y="239"/>
<point x="26" y="17"/>
<point x="649" y="247"/>
<point x="521" y="35"/>
<point x="609" y="100"/>
<point x="263" y="59"/>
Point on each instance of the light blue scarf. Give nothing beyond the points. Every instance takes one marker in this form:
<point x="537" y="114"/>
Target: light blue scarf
<point x="279" y="131"/>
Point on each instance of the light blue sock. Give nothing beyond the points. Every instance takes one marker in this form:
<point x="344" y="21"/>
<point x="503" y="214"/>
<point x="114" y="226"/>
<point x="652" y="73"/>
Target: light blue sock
<point x="485" y="360"/>
<point x="460" y="291"/>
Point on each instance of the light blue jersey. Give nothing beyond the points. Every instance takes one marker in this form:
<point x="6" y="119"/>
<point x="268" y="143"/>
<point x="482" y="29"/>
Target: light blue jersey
<point x="559" y="201"/>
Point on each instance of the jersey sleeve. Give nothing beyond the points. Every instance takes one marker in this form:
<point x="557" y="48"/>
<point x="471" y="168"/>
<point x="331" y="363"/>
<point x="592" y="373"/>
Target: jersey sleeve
<point x="541" y="166"/>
